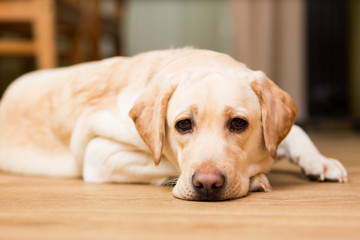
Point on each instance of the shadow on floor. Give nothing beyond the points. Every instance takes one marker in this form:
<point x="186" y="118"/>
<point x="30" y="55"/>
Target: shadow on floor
<point x="281" y="179"/>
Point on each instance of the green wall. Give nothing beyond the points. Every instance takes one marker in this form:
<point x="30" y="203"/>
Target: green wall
<point x="161" y="24"/>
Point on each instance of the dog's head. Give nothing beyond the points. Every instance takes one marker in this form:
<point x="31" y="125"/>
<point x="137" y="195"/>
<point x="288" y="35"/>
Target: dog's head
<point x="219" y="120"/>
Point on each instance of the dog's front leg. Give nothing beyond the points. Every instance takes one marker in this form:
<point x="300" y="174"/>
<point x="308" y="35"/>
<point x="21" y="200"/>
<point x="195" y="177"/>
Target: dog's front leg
<point x="106" y="124"/>
<point x="298" y="148"/>
<point x="108" y="149"/>
<point x="109" y="161"/>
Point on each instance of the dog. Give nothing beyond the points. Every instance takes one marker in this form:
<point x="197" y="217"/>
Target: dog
<point x="200" y="116"/>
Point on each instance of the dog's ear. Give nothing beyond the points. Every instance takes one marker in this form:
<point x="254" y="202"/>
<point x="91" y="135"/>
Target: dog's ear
<point x="149" y="113"/>
<point x="278" y="111"/>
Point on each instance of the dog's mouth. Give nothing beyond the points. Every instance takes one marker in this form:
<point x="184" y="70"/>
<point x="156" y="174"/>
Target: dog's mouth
<point x="206" y="197"/>
<point x="209" y="196"/>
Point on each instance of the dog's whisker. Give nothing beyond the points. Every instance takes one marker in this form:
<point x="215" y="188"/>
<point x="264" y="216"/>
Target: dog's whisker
<point x="171" y="182"/>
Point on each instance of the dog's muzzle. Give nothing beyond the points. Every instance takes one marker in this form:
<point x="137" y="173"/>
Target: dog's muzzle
<point x="208" y="184"/>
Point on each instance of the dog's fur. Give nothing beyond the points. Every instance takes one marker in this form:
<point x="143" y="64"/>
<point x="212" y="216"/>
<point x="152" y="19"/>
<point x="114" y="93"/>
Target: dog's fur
<point x="109" y="121"/>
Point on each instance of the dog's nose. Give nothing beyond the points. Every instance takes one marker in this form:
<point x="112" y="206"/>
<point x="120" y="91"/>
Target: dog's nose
<point x="208" y="182"/>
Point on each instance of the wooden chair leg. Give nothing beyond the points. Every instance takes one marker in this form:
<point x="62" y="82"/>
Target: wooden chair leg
<point x="95" y="31"/>
<point x="44" y="33"/>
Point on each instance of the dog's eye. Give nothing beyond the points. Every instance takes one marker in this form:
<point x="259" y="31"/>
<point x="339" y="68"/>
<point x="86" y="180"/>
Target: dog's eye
<point x="238" y="125"/>
<point x="184" y="126"/>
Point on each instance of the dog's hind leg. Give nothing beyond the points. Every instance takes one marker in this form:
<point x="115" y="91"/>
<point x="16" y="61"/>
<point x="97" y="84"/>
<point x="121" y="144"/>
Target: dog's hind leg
<point x="299" y="149"/>
<point x="35" y="161"/>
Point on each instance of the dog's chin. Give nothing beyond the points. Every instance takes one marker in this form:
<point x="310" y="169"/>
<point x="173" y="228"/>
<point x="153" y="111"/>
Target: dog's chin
<point x="188" y="193"/>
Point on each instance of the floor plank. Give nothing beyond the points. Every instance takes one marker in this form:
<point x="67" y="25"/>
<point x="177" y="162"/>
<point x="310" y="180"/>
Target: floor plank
<point x="45" y="208"/>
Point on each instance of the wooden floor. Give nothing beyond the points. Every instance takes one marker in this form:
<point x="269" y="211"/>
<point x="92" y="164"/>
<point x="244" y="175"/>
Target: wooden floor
<point x="42" y="208"/>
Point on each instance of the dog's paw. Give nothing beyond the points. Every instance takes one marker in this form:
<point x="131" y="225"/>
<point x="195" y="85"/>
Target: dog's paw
<point x="324" y="169"/>
<point x="259" y="183"/>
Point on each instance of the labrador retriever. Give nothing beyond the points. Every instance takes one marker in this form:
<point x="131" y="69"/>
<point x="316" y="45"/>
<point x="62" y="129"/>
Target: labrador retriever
<point x="199" y="115"/>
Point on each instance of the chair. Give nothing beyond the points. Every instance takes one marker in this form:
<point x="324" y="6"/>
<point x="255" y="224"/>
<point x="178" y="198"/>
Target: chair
<point x="41" y="15"/>
<point x="80" y="22"/>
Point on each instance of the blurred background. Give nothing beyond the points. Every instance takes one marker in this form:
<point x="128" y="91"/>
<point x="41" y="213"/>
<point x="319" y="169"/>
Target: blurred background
<point x="310" y="48"/>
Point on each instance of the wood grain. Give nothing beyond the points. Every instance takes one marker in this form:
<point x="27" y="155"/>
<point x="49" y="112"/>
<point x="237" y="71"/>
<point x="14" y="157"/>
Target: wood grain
<point x="45" y="208"/>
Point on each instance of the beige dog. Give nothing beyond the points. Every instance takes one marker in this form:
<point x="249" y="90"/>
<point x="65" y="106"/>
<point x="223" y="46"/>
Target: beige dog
<point x="200" y="115"/>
